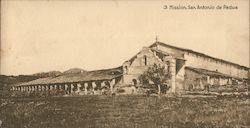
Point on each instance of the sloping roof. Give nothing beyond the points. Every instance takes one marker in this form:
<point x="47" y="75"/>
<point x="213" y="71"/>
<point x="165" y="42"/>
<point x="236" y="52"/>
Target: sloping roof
<point x="160" y="54"/>
<point x="96" y="75"/>
<point x="166" y="54"/>
<point x="198" y="53"/>
<point x="210" y="73"/>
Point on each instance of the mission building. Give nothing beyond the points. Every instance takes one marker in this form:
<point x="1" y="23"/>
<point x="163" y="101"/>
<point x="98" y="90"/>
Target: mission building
<point x="189" y="69"/>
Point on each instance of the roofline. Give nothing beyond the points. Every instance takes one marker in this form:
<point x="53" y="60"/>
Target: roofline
<point x="220" y="73"/>
<point x="106" y="69"/>
<point x="81" y="81"/>
<point x="201" y="54"/>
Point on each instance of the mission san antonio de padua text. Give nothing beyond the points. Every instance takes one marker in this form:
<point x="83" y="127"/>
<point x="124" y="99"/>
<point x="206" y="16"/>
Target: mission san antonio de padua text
<point x="200" y="7"/>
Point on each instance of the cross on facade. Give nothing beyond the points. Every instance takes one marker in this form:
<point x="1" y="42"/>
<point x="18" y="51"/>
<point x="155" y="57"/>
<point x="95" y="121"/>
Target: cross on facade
<point x="156" y="39"/>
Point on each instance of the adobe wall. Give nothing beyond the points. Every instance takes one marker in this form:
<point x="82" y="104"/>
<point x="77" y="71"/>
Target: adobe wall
<point x="193" y="80"/>
<point x="180" y="72"/>
<point x="193" y="60"/>
<point x="138" y="67"/>
<point x="197" y="61"/>
<point x="180" y="75"/>
<point x="196" y="81"/>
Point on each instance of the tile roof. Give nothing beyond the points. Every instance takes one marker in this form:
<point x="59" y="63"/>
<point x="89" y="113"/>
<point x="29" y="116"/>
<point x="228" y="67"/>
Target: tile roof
<point x="210" y="72"/>
<point x="96" y="75"/>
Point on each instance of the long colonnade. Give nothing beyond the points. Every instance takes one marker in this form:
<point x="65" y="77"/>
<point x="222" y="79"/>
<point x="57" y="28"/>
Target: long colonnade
<point x="74" y="87"/>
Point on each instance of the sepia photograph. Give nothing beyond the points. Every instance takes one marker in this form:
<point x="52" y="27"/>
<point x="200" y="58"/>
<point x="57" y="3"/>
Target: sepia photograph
<point x="124" y="64"/>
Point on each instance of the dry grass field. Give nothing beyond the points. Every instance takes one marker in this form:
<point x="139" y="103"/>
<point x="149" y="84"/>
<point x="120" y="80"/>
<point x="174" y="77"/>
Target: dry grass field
<point x="125" y="112"/>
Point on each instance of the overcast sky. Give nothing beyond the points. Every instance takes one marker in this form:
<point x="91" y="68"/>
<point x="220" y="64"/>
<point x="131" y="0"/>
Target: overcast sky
<point x="39" y="36"/>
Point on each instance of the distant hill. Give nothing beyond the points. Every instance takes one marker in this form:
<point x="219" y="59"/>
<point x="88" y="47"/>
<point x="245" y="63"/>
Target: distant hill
<point x="74" y="71"/>
<point x="16" y="79"/>
<point x="10" y="80"/>
<point x="5" y="81"/>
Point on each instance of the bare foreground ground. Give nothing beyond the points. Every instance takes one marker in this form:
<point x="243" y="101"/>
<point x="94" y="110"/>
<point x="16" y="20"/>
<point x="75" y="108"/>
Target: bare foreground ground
<point x="125" y="112"/>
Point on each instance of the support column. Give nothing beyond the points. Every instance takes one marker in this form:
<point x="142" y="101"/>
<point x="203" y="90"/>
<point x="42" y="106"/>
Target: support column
<point x="173" y="73"/>
<point x="50" y="87"/>
<point x="42" y="87"/>
<point x="71" y="88"/>
<point x="93" y="87"/>
<point x="32" y="89"/>
<point x="37" y="88"/>
<point x="86" y="88"/>
<point x="112" y="83"/>
<point x="229" y="81"/>
<point x="201" y="83"/>
<point x="220" y="81"/>
<point x="60" y="87"/>
<point x="45" y="88"/>
<point x="208" y="79"/>
<point x="212" y="81"/>
<point x="78" y="87"/>
<point x="66" y="88"/>
<point x="103" y="84"/>
<point x="54" y="87"/>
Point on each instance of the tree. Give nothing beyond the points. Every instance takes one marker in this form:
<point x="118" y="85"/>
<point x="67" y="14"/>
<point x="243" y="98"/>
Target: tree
<point x="158" y="74"/>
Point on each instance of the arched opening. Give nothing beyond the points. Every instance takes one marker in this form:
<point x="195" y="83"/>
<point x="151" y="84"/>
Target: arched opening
<point x="134" y="82"/>
<point x="107" y="84"/>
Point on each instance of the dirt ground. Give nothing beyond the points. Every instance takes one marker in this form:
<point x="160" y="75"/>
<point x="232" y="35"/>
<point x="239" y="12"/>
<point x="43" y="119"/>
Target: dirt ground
<point x="125" y="112"/>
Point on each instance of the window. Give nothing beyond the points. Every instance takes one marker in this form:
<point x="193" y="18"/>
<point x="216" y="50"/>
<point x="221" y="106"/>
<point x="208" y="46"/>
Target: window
<point x="145" y="60"/>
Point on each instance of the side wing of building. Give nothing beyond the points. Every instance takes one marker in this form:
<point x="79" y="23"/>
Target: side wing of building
<point x="219" y="70"/>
